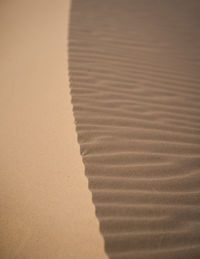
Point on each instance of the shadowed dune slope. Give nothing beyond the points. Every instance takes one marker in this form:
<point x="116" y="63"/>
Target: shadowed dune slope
<point x="134" y="71"/>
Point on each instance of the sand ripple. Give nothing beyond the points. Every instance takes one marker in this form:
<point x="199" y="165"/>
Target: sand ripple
<point x="135" y="86"/>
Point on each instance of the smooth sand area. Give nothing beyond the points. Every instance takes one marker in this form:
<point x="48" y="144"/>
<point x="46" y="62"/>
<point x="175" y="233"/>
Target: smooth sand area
<point x="46" y="208"/>
<point x="135" y="83"/>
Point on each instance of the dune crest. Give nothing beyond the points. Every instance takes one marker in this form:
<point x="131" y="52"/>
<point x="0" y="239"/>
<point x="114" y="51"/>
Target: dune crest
<point x="46" y="207"/>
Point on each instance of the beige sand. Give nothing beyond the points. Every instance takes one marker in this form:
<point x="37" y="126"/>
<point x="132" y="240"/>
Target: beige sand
<point x="134" y="68"/>
<point x="46" y="208"/>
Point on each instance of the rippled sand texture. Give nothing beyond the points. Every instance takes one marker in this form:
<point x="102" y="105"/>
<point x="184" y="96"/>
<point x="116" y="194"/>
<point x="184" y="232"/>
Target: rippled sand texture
<point x="135" y="85"/>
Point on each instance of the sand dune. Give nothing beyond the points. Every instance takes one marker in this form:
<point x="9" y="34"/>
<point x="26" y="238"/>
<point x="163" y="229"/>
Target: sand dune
<point x="46" y="210"/>
<point x="134" y="72"/>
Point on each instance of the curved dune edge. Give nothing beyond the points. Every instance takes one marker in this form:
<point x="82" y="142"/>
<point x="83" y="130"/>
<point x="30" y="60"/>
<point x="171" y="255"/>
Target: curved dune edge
<point x="134" y="71"/>
<point x="46" y="207"/>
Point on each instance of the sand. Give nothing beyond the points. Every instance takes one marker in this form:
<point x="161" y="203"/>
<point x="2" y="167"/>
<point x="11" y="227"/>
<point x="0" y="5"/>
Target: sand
<point x="135" y="84"/>
<point x="46" y="207"/>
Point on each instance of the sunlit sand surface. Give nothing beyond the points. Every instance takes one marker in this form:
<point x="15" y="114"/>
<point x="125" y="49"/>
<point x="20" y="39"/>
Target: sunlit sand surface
<point x="46" y="207"/>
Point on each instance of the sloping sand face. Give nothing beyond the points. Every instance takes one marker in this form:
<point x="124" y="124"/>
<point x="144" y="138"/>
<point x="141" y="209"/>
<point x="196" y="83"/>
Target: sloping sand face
<point x="135" y="84"/>
<point x="46" y="210"/>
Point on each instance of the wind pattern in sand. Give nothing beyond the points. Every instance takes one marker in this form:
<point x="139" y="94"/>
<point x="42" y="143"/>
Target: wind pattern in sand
<point x="135" y="84"/>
